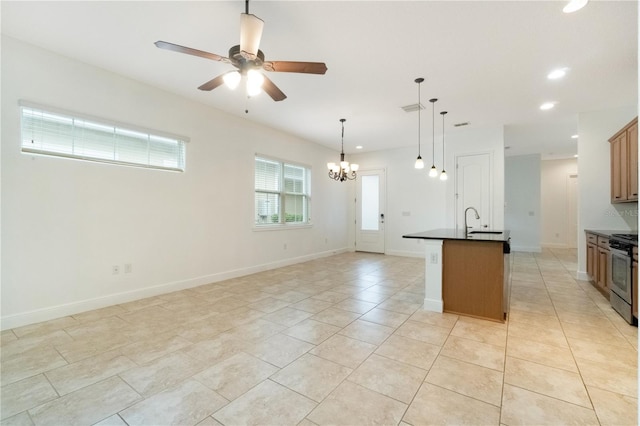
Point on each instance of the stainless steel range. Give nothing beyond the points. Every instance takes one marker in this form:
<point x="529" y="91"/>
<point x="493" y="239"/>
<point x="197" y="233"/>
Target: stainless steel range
<point x="619" y="279"/>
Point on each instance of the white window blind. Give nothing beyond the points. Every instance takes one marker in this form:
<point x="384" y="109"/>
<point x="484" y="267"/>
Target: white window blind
<point x="62" y="134"/>
<point x="282" y="193"/>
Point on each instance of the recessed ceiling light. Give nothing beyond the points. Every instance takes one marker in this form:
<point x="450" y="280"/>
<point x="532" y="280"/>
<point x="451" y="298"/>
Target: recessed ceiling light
<point x="359" y="147"/>
<point x="574" y="5"/>
<point x="557" y="74"/>
<point x="575" y="156"/>
<point x="574" y="137"/>
<point x="547" y="105"/>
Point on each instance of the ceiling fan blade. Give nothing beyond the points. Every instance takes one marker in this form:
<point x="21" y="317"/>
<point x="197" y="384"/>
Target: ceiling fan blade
<point x="212" y="84"/>
<point x="289" y="66"/>
<point x="189" y="51"/>
<point x="250" y="34"/>
<point x="272" y="90"/>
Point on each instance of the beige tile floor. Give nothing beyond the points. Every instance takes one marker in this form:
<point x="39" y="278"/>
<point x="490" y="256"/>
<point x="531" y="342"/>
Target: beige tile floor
<point x="340" y="340"/>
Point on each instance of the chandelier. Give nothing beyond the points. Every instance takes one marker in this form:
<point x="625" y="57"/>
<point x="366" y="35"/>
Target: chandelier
<point x="342" y="171"/>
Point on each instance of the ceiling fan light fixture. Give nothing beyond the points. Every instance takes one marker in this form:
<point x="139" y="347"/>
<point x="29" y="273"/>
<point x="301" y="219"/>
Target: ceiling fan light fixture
<point x="250" y="33"/>
<point x="255" y="79"/>
<point x="232" y="79"/>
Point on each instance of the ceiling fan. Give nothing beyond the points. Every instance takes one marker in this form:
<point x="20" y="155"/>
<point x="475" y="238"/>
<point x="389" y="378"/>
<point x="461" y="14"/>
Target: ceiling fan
<point x="248" y="60"/>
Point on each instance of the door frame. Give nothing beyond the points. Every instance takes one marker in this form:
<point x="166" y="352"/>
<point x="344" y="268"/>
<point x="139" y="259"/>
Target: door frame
<point x="456" y="198"/>
<point x="382" y="172"/>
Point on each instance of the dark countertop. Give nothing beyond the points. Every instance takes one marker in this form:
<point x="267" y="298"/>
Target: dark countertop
<point x="459" y="234"/>
<point x="608" y="233"/>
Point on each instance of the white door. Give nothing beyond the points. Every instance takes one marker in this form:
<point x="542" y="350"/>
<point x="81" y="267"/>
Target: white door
<point x="370" y="205"/>
<point x="473" y="189"/>
<point x="572" y="211"/>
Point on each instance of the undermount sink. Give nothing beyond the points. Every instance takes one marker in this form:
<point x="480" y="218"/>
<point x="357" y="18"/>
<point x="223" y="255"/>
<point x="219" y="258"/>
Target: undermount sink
<point x="485" y="232"/>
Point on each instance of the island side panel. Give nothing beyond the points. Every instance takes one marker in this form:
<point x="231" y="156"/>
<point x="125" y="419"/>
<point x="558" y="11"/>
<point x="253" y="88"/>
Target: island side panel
<point x="433" y="276"/>
<point x="473" y="279"/>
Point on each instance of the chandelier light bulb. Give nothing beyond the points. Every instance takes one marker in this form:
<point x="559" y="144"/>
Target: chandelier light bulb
<point x="355" y="167"/>
<point x="331" y="166"/>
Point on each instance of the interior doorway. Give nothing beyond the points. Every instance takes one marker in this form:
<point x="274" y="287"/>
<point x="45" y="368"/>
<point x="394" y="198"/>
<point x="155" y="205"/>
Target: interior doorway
<point x="370" y="211"/>
<point x="473" y="189"/>
<point x="572" y="210"/>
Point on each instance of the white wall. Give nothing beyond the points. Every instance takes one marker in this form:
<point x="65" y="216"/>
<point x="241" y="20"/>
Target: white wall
<point x="66" y="222"/>
<point x="429" y="201"/>
<point x="522" y="208"/>
<point x="596" y="211"/>
<point x="555" y="195"/>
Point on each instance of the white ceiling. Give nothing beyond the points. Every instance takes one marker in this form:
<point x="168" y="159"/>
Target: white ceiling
<point x="486" y="61"/>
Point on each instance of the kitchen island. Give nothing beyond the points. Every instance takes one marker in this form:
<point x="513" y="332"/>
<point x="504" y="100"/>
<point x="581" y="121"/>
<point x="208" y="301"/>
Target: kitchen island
<point x="467" y="273"/>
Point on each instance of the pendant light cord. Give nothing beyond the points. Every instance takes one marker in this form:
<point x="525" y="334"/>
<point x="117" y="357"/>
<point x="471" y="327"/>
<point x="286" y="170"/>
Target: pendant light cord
<point x="342" y="120"/>
<point x="419" y="121"/>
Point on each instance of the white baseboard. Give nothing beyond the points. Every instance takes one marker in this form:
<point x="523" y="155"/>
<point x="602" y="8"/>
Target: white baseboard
<point x="556" y="245"/>
<point x="53" y="312"/>
<point x="582" y="275"/>
<point x="404" y="253"/>
<point x="433" y="305"/>
<point x="529" y="249"/>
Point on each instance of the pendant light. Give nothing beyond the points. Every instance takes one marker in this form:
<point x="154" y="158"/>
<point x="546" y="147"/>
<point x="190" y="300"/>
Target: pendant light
<point x="443" y="175"/>
<point x="433" y="172"/>
<point x="419" y="163"/>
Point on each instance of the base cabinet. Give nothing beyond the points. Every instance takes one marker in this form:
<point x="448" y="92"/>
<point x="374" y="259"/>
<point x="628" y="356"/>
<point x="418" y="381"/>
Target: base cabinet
<point x="598" y="261"/>
<point x="634" y="283"/>
<point x="473" y="279"/>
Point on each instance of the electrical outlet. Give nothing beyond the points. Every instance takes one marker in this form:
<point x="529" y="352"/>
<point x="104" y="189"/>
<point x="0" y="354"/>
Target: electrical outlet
<point x="115" y="269"/>
<point x="128" y="268"/>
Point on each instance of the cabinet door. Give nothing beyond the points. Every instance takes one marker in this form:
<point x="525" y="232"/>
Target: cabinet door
<point x="592" y="262"/>
<point x="632" y="143"/>
<point x="634" y="289"/>
<point x="603" y="268"/>
<point x="619" y="168"/>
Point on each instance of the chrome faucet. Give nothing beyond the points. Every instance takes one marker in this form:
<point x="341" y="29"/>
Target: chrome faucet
<point x="466" y="228"/>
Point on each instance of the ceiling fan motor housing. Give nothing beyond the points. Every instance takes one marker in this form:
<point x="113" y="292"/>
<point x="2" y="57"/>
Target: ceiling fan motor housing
<point x="245" y="61"/>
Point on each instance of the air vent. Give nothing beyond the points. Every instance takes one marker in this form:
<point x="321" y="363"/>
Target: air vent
<point x="412" y="107"/>
<point x="464" y="123"/>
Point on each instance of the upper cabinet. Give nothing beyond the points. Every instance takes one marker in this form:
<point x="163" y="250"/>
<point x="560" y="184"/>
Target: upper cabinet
<point x="624" y="164"/>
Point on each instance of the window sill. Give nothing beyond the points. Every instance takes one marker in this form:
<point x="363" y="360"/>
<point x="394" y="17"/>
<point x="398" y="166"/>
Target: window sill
<point x="281" y="227"/>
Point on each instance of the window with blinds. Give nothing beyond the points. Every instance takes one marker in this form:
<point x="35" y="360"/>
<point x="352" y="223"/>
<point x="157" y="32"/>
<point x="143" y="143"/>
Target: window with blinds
<point x="61" y="134"/>
<point x="282" y="193"/>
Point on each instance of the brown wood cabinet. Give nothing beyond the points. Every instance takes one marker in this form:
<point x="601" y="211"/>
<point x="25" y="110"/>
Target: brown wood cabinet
<point x="624" y="164"/>
<point x="592" y="256"/>
<point x="473" y="279"/>
<point x="603" y="263"/>
<point x="634" y="283"/>
<point x="598" y="261"/>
